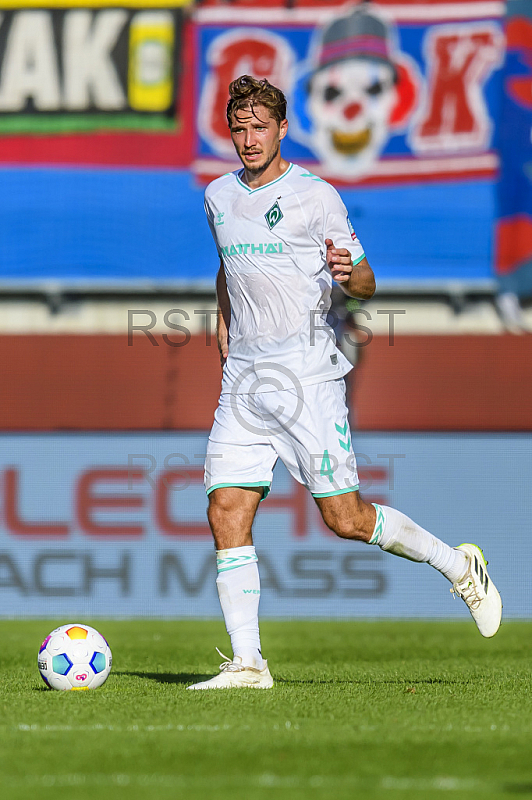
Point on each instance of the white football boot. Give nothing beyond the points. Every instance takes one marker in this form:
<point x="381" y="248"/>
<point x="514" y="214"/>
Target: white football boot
<point x="234" y="675"/>
<point x="478" y="592"/>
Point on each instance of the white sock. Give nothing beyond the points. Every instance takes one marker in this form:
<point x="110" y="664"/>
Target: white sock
<point x="398" y="534"/>
<point x="238" y="587"/>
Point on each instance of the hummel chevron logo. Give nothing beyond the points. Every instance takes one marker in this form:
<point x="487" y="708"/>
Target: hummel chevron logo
<point x="344" y="432"/>
<point x="311" y="176"/>
<point x="379" y="525"/>
<point x="232" y="562"/>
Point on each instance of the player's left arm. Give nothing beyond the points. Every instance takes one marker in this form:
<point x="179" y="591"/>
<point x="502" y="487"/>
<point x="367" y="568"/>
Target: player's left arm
<point x="345" y="255"/>
<point x="355" y="280"/>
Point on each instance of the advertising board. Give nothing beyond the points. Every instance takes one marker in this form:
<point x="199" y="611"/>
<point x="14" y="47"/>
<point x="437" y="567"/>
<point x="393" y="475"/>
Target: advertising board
<point x="115" y="525"/>
<point x="100" y="83"/>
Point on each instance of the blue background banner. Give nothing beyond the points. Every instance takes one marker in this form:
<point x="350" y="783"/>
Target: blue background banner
<point x="92" y="227"/>
<point x="406" y="132"/>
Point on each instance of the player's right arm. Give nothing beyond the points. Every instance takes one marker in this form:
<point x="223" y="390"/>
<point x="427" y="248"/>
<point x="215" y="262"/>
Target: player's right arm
<point x="223" y="318"/>
<point x="224" y="314"/>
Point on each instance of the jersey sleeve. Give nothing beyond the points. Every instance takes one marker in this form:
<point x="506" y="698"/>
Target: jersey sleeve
<point x="209" y="213"/>
<point x="337" y="226"/>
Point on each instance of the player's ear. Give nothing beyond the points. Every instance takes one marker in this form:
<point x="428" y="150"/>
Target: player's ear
<point x="283" y="128"/>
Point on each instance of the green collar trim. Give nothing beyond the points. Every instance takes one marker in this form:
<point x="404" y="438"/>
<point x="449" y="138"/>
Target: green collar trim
<point x="252" y="191"/>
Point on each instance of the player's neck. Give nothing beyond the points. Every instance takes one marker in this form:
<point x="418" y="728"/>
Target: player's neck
<point x="273" y="171"/>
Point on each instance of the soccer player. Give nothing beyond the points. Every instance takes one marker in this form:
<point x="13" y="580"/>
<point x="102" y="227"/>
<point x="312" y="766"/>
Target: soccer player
<point x="283" y="235"/>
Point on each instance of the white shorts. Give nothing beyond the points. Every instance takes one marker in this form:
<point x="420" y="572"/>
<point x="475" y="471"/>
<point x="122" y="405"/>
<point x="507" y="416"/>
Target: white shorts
<point x="306" y="428"/>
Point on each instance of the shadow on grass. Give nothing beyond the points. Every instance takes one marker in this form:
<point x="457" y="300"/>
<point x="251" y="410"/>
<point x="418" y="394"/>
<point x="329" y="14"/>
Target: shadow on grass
<point x="166" y="677"/>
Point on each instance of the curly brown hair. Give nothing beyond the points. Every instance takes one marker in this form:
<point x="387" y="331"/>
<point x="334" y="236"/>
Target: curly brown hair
<point x="248" y="92"/>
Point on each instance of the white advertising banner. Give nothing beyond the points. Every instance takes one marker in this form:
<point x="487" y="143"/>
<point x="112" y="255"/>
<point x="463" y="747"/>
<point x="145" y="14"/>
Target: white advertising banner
<point x="115" y="525"/>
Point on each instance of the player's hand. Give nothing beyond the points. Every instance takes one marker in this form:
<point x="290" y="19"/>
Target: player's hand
<point x="339" y="261"/>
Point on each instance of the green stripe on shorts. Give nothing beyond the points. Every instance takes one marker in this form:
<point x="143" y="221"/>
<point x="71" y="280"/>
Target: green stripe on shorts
<point x="338" y="491"/>
<point x="265" y="485"/>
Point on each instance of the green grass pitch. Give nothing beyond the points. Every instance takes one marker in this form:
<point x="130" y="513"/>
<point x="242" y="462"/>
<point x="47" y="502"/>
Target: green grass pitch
<point x="415" y="710"/>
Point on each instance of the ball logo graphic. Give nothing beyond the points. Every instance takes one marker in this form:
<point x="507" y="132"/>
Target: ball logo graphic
<point x="74" y="657"/>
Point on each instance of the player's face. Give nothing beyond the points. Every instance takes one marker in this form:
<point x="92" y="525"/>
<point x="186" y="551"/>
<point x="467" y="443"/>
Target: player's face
<point x="256" y="136"/>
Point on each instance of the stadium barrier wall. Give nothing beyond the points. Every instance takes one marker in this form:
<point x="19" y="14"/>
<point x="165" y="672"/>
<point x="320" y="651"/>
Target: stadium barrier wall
<point x="115" y="525"/>
<point x="408" y="382"/>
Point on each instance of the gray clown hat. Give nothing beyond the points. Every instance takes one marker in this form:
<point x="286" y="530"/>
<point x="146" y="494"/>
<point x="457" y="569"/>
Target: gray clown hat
<point x="359" y="35"/>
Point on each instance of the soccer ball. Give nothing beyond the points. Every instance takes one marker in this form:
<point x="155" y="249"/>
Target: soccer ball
<point x="74" y="657"/>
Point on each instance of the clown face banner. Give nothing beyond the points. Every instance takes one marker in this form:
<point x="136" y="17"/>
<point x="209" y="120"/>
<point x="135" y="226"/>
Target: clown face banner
<point x="377" y="93"/>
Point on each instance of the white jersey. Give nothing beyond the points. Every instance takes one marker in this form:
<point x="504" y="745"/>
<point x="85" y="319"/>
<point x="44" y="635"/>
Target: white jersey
<point x="272" y="244"/>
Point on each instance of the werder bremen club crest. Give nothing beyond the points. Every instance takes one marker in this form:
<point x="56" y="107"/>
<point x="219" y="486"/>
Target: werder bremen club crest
<point x="273" y="215"/>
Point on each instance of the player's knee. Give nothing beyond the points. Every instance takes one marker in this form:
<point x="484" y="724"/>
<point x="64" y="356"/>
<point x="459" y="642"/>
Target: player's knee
<point x="220" y="511"/>
<point x="229" y="511"/>
<point x="220" y="503"/>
